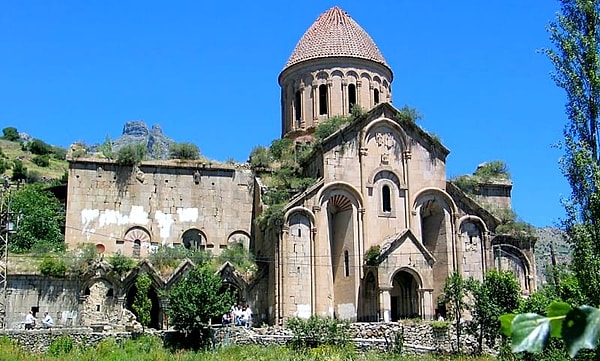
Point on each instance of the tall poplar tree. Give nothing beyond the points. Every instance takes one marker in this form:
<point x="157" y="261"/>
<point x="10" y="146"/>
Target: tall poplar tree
<point x="576" y="36"/>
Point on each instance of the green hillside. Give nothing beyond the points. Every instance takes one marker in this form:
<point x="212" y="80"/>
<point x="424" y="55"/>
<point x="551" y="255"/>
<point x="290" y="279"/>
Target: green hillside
<point x="14" y="150"/>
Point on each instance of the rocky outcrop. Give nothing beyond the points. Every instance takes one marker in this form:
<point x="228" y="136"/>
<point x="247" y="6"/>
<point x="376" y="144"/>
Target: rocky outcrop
<point x="137" y="132"/>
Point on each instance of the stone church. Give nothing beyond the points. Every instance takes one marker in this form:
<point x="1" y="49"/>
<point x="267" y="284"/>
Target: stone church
<point x="372" y="240"/>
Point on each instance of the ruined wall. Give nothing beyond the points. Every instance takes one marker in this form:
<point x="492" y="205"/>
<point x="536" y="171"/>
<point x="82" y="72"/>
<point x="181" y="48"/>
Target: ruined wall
<point x="135" y="209"/>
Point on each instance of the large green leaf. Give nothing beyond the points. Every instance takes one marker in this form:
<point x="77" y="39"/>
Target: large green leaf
<point x="506" y="323"/>
<point x="557" y="309"/>
<point x="530" y="332"/>
<point x="581" y="329"/>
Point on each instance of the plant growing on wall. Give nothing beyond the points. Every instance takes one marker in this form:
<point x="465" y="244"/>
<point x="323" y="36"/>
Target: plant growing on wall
<point x="142" y="305"/>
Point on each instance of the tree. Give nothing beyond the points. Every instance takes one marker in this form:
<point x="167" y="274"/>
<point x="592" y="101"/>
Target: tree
<point x="576" y="35"/>
<point x="39" y="147"/>
<point x="41" y="220"/>
<point x="196" y="299"/>
<point x="106" y="148"/>
<point x="456" y="295"/>
<point x="131" y="154"/>
<point x="499" y="293"/>
<point x="19" y="171"/>
<point x="185" y="151"/>
<point x="142" y="305"/>
<point x="11" y="134"/>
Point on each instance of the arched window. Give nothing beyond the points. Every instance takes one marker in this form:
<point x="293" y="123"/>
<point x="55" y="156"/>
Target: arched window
<point x="346" y="264"/>
<point x="376" y="96"/>
<point x="386" y="199"/>
<point x="351" y="97"/>
<point x="298" y="107"/>
<point x="323" y="99"/>
<point x="136" y="248"/>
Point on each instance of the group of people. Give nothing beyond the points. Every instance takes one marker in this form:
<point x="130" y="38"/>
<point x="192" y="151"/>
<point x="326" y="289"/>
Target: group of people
<point x="239" y="315"/>
<point x="30" y="320"/>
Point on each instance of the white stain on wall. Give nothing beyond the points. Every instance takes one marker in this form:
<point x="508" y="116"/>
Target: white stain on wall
<point x="165" y="220"/>
<point x="94" y="217"/>
<point x="187" y="214"/>
<point x="303" y="311"/>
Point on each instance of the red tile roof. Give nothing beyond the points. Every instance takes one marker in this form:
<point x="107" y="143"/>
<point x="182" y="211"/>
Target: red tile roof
<point x="335" y="34"/>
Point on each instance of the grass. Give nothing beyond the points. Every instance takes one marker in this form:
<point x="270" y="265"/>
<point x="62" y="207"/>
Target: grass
<point x="13" y="150"/>
<point x="150" y="348"/>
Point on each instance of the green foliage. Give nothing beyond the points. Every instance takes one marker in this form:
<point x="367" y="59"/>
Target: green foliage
<point x="121" y="264"/>
<point x="10" y="134"/>
<point x="106" y="148"/>
<point x="372" y="254"/>
<point x="273" y="216"/>
<point x="281" y="148"/>
<point x="578" y="327"/>
<point x="41" y="160"/>
<point x="62" y="345"/>
<point x="170" y="257"/>
<point x="39" y="147"/>
<point x="499" y="293"/>
<point x="493" y="170"/>
<point x="330" y="126"/>
<point x="4" y="165"/>
<point x="80" y="258"/>
<point x="185" y="151"/>
<point x="455" y="296"/>
<point x="317" y="331"/>
<point x="467" y="184"/>
<point x="41" y="219"/>
<point x="59" y="153"/>
<point x="260" y="157"/>
<point x="241" y="258"/>
<point x="53" y="267"/>
<point x="440" y="325"/>
<point x="185" y="311"/>
<point x="19" y="171"/>
<point x="409" y="114"/>
<point x="142" y="305"/>
<point x="131" y="154"/>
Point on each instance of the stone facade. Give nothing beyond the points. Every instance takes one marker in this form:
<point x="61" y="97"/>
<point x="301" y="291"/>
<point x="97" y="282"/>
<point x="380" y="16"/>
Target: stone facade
<point x="381" y="189"/>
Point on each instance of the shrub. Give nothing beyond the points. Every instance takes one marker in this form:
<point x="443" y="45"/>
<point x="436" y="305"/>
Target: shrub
<point x="131" y="154"/>
<point x="372" y="254"/>
<point x="281" y="148"/>
<point x="59" y="153"/>
<point x="121" y="264"/>
<point x="317" y="331"/>
<point x="60" y="346"/>
<point x="39" y="147"/>
<point x="53" y="267"/>
<point x="19" y="170"/>
<point x="4" y="165"/>
<point x="260" y="157"/>
<point x="186" y="151"/>
<point x="11" y="134"/>
<point x="41" y="160"/>
<point x="440" y="325"/>
<point x="330" y="126"/>
<point x="495" y="169"/>
<point x="241" y="258"/>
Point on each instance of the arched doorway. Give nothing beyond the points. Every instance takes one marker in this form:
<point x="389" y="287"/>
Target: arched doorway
<point x="404" y="296"/>
<point x="155" y="314"/>
<point x="369" y="300"/>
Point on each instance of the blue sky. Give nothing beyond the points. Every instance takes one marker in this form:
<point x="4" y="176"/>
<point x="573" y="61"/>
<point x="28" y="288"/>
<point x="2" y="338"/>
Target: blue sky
<point x="206" y="71"/>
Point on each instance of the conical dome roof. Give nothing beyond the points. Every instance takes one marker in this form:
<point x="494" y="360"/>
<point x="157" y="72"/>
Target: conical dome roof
<point x="335" y="34"/>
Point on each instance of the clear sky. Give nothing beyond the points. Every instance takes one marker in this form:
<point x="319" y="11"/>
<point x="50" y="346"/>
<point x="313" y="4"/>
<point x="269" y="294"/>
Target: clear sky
<point x="206" y="71"/>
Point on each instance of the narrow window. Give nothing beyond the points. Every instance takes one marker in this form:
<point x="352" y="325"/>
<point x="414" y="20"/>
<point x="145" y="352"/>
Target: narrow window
<point x="351" y="97"/>
<point x="299" y="232"/>
<point x="376" y="96"/>
<point x="386" y="201"/>
<point x="136" y="248"/>
<point x="323" y="99"/>
<point x="346" y="264"/>
<point x="298" y="106"/>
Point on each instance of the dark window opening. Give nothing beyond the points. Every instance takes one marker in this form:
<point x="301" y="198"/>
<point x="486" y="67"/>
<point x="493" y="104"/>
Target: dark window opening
<point x="322" y="99"/>
<point x="376" y="96"/>
<point x="386" y="200"/>
<point x="136" y="248"/>
<point x="299" y="232"/>
<point x="346" y="264"/>
<point x="298" y="106"/>
<point x="351" y="97"/>
<point x="110" y="292"/>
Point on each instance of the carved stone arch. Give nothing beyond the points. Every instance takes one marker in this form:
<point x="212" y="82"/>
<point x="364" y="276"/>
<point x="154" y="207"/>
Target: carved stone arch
<point x="385" y="83"/>
<point x="138" y="237"/>
<point x="507" y="256"/>
<point x="239" y="236"/>
<point x="325" y="192"/>
<point x="377" y="80"/>
<point x="473" y="219"/>
<point x="405" y="298"/>
<point x="386" y="172"/>
<point x="471" y="240"/>
<point x="337" y="73"/>
<point x="365" y="76"/>
<point x="394" y="127"/>
<point x="308" y="79"/>
<point x="351" y="74"/>
<point x="292" y="210"/>
<point x="410" y="270"/>
<point x="194" y="238"/>
<point x="322" y="77"/>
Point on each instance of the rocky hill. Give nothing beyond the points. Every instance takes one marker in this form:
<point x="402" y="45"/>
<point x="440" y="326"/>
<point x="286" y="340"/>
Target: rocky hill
<point x="550" y="240"/>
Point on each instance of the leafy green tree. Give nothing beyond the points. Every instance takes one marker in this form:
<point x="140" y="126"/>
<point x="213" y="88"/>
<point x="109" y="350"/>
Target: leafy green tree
<point x="11" y="134"/>
<point x="241" y="258"/>
<point x="41" y="219"/>
<point x="142" y="305"/>
<point x="576" y="35"/>
<point x="121" y="264"/>
<point x="41" y="160"/>
<point x="499" y="293"/>
<point x="195" y="299"/>
<point x="186" y="151"/>
<point x="457" y="292"/>
<point x="19" y="171"/>
<point x="260" y="157"/>
<point x="106" y="148"/>
<point x="39" y="147"/>
<point x="131" y="154"/>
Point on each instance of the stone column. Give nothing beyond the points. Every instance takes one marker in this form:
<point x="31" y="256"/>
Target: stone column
<point x="385" y="303"/>
<point x="427" y="303"/>
<point x="344" y="97"/>
<point x="329" y="97"/>
<point x="358" y="93"/>
<point x="315" y="100"/>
